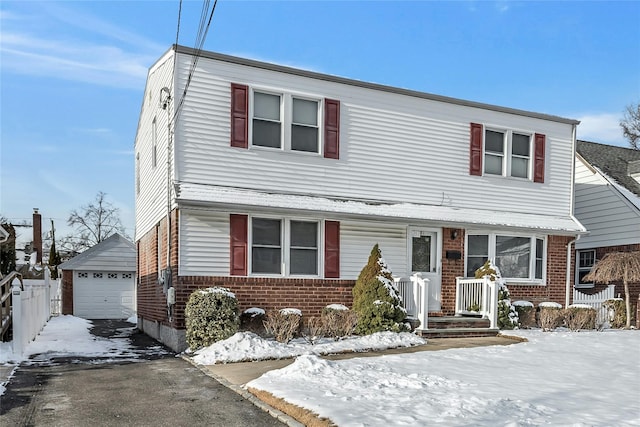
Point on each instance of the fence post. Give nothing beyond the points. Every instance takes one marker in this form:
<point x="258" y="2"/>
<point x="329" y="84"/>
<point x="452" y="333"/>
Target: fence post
<point x="16" y="295"/>
<point x="47" y="297"/>
<point x="493" y="290"/>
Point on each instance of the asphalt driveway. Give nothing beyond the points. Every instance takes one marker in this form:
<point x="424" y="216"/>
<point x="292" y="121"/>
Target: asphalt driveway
<point x="150" y="386"/>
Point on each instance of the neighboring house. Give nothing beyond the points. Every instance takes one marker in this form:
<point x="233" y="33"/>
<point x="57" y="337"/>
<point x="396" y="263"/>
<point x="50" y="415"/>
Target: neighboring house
<point x="607" y="203"/>
<point x="277" y="182"/>
<point x="100" y="283"/>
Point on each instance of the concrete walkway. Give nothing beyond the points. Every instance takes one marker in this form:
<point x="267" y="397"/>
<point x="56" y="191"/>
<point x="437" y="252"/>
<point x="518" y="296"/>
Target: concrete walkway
<point x="235" y="375"/>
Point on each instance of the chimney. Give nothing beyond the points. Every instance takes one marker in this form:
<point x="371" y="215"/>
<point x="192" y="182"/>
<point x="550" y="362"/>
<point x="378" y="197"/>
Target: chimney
<point x="37" y="235"/>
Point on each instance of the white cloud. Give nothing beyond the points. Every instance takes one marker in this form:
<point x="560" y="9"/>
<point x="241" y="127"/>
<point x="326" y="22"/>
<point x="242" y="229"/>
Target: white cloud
<point x="601" y="127"/>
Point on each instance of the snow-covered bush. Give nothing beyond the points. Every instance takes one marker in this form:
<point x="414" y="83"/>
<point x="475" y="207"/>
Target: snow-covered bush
<point x="376" y="300"/>
<point x="550" y="316"/>
<point x="507" y="314"/>
<point x="339" y="321"/>
<point x="283" y="324"/>
<point x="617" y="312"/>
<point x="526" y="314"/>
<point x="211" y="315"/>
<point x="580" y="316"/>
<point x="252" y="319"/>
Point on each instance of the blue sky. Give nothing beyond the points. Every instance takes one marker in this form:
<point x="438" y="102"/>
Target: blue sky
<point x="73" y="73"/>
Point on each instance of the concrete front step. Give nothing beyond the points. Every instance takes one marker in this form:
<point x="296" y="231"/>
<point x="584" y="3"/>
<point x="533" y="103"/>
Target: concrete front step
<point x="457" y="332"/>
<point x="457" y="322"/>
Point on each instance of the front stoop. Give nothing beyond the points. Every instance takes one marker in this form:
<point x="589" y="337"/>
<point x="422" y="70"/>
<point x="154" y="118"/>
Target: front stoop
<point x="457" y="326"/>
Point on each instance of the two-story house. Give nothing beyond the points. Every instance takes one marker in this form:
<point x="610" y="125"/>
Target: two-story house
<point x="276" y="182"/>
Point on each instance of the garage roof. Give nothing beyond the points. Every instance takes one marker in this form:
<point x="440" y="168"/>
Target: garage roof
<point x="115" y="253"/>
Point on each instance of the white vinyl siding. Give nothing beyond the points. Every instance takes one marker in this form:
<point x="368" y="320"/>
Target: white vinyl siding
<point x="204" y="243"/>
<point x="151" y="149"/>
<point x="610" y="219"/>
<point x="413" y="149"/>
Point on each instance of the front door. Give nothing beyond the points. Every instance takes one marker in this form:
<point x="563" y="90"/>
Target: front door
<point x="424" y="254"/>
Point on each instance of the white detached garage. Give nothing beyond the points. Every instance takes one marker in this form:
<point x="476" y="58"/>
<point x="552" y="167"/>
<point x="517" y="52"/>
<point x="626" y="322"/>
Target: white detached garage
<point x="100" y="283"/>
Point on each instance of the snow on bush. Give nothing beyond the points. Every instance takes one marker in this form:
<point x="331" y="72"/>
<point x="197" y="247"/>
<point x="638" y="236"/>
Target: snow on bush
<point x="507" y="313"/>
<point x="526" y="314"/>
<point x="376" y="301"/>
<point x="211" y="315"/>
<point x="252" y="319"/>
<point x="580" y="316"/>
<point x="283" y="324"/>
<point x="551" y="315"/>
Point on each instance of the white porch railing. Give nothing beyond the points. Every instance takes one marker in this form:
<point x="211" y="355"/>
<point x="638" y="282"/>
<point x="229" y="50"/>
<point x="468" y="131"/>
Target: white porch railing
<point x="31" y="307"/>
<point x="477" y="296"/>
<point x="414" y="292"/>
<point x="596" y="301"/>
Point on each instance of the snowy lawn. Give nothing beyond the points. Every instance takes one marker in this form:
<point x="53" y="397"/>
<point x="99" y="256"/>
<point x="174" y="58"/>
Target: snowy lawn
<point x="557" y="378"/>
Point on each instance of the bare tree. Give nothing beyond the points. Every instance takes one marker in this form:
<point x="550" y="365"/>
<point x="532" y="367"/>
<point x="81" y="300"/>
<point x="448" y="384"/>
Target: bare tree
<point x="630" y="125"/>
<point x="93" y="223"/>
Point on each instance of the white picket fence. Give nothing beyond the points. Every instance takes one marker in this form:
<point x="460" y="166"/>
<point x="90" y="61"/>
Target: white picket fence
<point x="31" y="308"/>
<point x="596" y="301"/>
<point x="477" y="296"/>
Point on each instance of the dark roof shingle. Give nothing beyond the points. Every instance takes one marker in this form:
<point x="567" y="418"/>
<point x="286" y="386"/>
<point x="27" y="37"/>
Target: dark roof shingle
<point x="617" y="162"/>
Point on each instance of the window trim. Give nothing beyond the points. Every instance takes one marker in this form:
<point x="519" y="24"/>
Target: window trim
<point x="285" y="246"/>
<point x="507" y="152"/>
<point x="577" y="283"/>
<point x="286" y="120"/>
<point x="491" y="249"/>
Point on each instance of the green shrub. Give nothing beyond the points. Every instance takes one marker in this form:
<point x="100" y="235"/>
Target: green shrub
<point x="375" y="298"/>
<point x="211" y="315"/>
<point x="551" y="315"/>
<point x="526" y="314"/>
<point x="616" y="313"/>
<point x="283" y="324"/>
<point x="580" y="316"/>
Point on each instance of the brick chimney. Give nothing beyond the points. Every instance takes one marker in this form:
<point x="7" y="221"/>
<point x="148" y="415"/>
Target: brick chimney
<point x="37" y="235"/>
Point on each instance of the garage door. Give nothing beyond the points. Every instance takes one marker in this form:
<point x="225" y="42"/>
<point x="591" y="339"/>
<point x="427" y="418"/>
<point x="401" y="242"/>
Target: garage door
<point x="103" y="295"/>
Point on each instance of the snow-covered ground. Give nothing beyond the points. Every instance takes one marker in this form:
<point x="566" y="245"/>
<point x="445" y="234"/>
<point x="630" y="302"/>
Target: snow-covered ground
<point x="558" y="378"/>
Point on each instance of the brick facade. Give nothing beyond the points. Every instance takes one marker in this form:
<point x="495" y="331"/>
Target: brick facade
<point x="310" y="295"/>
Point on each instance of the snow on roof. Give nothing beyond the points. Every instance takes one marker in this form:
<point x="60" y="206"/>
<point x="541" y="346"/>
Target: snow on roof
<point x="209" y="195"/>
<point x="115" y="253"/>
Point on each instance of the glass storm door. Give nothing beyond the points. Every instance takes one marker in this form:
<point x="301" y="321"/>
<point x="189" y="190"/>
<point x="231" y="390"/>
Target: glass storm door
<point x="425" y="259"/>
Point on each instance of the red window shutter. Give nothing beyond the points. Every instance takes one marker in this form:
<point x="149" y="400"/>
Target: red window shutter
<point x="475" y="150"/>
<point x="538" y="157"/>
<point x="331" y="129"/>
<point x="331" y="249"/>
<point x="239" y="115"/>
<point x="238" y="238"/>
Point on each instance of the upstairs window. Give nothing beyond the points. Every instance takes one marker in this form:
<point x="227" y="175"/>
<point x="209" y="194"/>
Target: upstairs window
<point x="266" y="120"/>
<point x="508" y="153"/>
<point x="284" y="121"/>
<point x="304" y="125"/>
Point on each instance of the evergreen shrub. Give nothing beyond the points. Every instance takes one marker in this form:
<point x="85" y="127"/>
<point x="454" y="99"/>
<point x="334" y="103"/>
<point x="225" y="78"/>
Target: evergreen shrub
<point x="376" y="301"/>
<point x="211" y="315"/>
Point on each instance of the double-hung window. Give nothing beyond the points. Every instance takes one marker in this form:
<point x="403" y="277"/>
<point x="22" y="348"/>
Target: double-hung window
<point x="586" y="261"/>
<point x="507" y="153"/>
<point x="267" y="124"/>
<point x="286" y="122"/>
<point x="284" y="246"/>
<point x="519" y="257"/>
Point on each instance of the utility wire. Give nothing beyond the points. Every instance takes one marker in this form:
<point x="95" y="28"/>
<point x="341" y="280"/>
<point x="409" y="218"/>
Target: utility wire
<point x="200" y="39"/>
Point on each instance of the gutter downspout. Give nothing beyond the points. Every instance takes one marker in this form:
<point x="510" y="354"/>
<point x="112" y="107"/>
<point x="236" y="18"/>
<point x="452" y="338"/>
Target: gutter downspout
<point x="568" y="277"/>
<point x="571" y="207"/>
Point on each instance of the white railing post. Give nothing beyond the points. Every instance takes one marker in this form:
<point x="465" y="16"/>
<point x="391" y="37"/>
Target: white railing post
<point x="421" y="298"/>
<point x="16" y="303"/>
<point x="493" y="312"/>
<point x="458" y="307"/>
